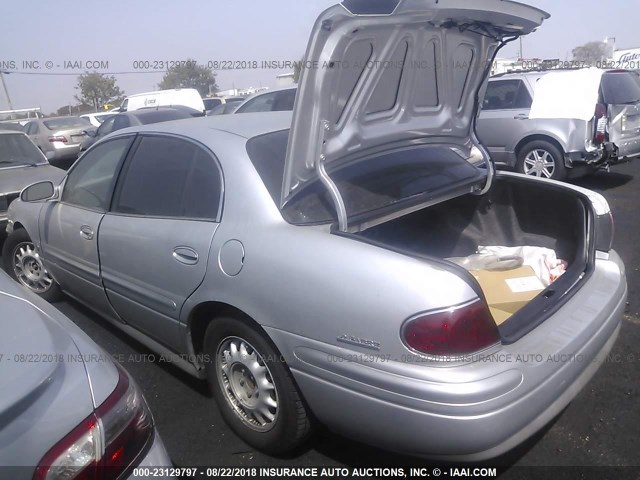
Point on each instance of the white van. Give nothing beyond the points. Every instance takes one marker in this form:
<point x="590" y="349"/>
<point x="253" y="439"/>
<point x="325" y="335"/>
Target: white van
<point x="188" y="97"/>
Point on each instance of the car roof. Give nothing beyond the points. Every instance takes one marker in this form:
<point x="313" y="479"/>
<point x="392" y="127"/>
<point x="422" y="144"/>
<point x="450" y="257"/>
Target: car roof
<point x="247" y="125"/>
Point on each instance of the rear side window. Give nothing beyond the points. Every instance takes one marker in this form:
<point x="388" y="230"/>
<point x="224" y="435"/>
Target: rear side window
<point x="620" y="88"/>
<point x="106" y="127"/>
<point x="170" y="177"/>
<point x="261" y="103"/>
<point x="284" y="101"/>
<point x="120" y="122"/>
<point x="506" y="94"/>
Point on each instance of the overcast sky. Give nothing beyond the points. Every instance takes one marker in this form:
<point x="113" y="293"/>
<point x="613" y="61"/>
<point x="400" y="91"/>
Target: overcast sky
<point x="122" y="33"/>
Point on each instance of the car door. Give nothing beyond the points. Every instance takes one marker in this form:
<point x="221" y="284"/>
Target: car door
<point x="155" y="241"/>
<point x="504" y="118"/>
<point x="69" y="227"/>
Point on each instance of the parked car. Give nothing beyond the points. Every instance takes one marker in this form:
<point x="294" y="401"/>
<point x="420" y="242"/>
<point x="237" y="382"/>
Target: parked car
<point x="143" y="116"/>
<point x="21" y="164"/>
<point x="59" y="138"/>
<point x="66" y="407"/>
<point x="96" y="118"/>
<point x="299" y="262"/>
<point x="189" y="97"/>
<point x="275" y="100"/>
<point x="556" y="124"/>
<point x="224" y="108"/>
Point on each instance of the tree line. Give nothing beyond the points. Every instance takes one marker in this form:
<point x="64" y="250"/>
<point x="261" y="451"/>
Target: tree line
<point x="97" y="91"/>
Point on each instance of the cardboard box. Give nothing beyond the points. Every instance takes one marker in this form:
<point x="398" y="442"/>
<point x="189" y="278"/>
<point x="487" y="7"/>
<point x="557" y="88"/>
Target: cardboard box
<point x="507" y="291"/>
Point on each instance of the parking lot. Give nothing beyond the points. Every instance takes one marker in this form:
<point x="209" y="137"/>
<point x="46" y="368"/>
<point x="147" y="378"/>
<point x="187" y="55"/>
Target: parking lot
<point x="597" y="428"/>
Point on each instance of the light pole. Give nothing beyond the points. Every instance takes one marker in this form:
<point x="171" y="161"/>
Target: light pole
<point x="6" y="92"/>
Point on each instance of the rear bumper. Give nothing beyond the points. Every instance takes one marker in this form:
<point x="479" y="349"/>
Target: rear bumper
<point x="480" y="409"/>
<point x="595" y="157"/>
<point x="62" y="152"/>
<point x="155" y="463"/>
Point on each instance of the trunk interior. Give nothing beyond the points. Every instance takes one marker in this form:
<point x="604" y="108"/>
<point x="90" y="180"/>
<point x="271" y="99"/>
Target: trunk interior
<point x="515" y="212"/>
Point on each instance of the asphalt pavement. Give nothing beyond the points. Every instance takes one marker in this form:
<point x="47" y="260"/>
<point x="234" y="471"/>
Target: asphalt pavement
<point x="600" y="427"/>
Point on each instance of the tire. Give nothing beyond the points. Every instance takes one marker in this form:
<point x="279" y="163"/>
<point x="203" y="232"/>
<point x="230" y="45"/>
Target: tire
<point x="542" y="159"/>
<point x="237" y="356"/>
<point x="23" y="264"/>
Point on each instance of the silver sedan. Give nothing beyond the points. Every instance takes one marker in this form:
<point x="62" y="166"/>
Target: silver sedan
<point x="298" y="262"/>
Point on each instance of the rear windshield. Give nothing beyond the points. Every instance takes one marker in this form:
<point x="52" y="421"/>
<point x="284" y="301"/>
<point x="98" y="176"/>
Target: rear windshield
<point x="620" y="88"/>
<point x="156" y="116"/>
<point x="17" y="149"/>
<point x="377" y="183"/>
<point x="66" y="123"/>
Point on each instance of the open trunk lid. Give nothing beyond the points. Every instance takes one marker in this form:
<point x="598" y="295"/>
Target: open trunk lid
<point x="383" y="75"/>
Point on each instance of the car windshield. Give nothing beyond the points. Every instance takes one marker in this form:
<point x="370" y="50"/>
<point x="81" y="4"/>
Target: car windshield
<point x="365" y="186"/>
<point x="620" y="88"/>
<point x="17" y="149"/>
<point x="65" y="123"/>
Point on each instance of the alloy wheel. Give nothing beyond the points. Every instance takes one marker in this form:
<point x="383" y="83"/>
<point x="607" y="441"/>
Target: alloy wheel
<point x="247" y="383"/>
<point x="29" y="269"/>
<point x="539" y="163"/>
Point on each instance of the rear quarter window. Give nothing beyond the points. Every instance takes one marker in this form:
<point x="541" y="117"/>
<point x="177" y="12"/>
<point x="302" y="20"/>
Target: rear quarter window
<point x="620" y="88"/>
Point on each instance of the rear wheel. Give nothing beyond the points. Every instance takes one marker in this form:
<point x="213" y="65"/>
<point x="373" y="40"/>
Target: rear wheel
<point x="253" y="387"/>
<point x="23" y="263"/>
<point x="541" y="159"/>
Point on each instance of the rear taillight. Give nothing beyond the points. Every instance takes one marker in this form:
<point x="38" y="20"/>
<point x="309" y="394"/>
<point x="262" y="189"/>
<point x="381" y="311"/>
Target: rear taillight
<point x="59" y="138"/>
<point x="106" y="443"/>
<point x="455" y="331"/>
<point x="602" y="123"/>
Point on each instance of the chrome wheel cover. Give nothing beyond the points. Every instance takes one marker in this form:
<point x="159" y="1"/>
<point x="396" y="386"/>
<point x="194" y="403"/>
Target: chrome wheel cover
<point x="247" y="384"/>
<point x="539" y="163"/>
<point x="29" y="269"/>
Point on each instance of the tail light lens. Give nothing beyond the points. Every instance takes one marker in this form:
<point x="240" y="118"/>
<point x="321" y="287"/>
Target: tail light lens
<point x="58" y="139"/>
<point x="106" y="443"/>
<point x="602" y="123"/>
<point x="455" y="331"/>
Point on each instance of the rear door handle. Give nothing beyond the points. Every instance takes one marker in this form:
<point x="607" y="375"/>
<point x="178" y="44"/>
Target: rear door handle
<point x="186" y="255"/>
<point x="86" y="232"/>
<point x="522" y="116"/>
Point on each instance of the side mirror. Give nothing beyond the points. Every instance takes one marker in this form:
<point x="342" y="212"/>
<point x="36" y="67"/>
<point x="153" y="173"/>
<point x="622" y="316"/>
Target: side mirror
<point x="38" y="191"/>
<point x="92" y="132"/>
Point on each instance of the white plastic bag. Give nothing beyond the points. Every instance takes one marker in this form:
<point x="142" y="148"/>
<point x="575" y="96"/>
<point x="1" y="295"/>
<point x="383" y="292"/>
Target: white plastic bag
<point x="542" y="260"/>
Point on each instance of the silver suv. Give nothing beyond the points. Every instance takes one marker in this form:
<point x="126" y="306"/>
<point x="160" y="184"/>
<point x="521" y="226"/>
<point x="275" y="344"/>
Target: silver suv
<point x="553" y="124"/>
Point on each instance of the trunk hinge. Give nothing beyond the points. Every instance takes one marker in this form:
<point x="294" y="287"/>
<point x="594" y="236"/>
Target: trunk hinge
<point x="341" y="211"/>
